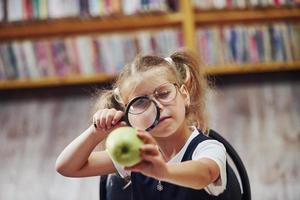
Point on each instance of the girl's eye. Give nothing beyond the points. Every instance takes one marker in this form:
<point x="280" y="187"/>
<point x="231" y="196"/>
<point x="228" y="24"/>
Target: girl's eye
<point x="163" y="94"/>
<point x="139" y="106"/>
<point x="140" y="103"/>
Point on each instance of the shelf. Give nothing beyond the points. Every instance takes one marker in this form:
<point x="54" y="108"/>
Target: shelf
<point x="242" y="16"/>
<point x="252" y="68"/>
<point x="102" y="78"/>
<point x="74" y="26"/>
<point x="55" y="81"/>
<point x="186" y="19"/>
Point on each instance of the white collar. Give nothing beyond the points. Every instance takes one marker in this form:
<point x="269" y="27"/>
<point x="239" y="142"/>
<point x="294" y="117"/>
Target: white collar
<point x="178" y="157"/>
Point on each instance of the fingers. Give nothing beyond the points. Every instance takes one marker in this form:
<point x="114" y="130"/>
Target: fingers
<point x="146" y="137"/>
<point x="150" y="157"/>
<point x="151" y="153"/>
<point x="152" y="163"/>
<point x="106" y="118"/>
<point x="103" y="119"/>
<point x="109" y="117"/>
<point x="117" y="117"/>
<point x="149" y="149"/>
<point x="138" y="167"/>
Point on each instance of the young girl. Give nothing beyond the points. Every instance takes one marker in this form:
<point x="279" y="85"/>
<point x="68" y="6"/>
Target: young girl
<point x="178" y="160"/>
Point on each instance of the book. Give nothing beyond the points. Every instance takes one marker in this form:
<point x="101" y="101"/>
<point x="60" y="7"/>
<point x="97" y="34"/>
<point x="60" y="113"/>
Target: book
<point x="2" y="68"/>
<point x="83" y="8"/>
<point x="108" y="58"/>
<point x="286" y="40"/>
<point x="9" y="61"/>
<point x="260" y="44"/>
<point x="43" y="9"/>
<point x="294" y="32"/>
<point x="276" y="42"/>
<point x="64" y="8"/>
<point x="144" y="42"/>
<point x="60" y="57"/>
<point x="219" y="4"/>
<point x="253" y="50"/>
<point x="36" y="9"/>
<point x="72" y="54"/>
<point x="20" y="65"/>
<point x="2" y="11"/>
<point x="131" y="7"/>
<point x="266" y="44"/>
<point x="42" y="50"/>
<point x="30" y="59"/>
<point x="84" y="48"/>
<point x="15" y="10"/>
<point x="94" y="7"/>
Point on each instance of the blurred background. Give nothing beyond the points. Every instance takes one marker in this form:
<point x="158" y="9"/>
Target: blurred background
<point x="55" y="54"/>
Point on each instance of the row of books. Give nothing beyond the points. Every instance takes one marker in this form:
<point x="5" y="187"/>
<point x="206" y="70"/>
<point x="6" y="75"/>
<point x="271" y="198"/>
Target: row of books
<point x="84" y="55"/>
<point x="241" y="4"/>
<point x="277" y="42"/>
<point x="19" y="10"/>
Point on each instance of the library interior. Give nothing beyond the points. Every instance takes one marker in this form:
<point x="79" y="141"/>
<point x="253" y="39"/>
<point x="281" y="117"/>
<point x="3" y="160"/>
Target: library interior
<point x="55" y="57"/>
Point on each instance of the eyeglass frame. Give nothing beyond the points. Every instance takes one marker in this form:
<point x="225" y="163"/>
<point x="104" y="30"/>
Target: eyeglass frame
<point x="152" y="96"/>
<point x="156" y="120"/>
<point x="151" y="99"/>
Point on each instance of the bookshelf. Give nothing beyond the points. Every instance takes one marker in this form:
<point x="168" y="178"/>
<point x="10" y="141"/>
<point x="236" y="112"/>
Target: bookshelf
<point x="73" y="26"/>
<point x="55" y="81"/>
<point x="246" y="16"/>
<point x="253" y="68"/>
<point x="187" y="19"/>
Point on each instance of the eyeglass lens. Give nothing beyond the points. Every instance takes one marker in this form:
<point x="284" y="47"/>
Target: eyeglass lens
<point x="163" y="94"/>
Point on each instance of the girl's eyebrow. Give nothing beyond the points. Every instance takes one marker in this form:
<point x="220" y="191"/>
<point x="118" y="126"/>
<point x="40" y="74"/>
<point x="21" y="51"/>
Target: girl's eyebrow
<point x="149" y="93"/>
<point x="159" y="87"/>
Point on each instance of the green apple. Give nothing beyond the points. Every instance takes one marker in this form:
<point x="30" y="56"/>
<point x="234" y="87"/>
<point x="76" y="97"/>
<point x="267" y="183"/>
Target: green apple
<point x="123" y="145"/>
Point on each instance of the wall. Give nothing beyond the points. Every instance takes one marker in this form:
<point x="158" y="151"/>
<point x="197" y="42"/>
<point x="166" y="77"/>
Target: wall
<point x="261" y="119"/>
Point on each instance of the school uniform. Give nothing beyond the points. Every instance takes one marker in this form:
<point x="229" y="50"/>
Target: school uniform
<point x="197" y="146"/>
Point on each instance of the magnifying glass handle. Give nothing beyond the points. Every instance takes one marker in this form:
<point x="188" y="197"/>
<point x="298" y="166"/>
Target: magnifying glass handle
<point x="123" y="119"/>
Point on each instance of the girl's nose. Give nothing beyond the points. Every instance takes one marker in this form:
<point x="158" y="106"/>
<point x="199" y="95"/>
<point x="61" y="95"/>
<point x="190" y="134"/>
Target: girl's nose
<point x="160" y="106"/>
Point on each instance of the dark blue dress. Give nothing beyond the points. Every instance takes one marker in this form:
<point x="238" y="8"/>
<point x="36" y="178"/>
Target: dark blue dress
<point x="146" y="188"/>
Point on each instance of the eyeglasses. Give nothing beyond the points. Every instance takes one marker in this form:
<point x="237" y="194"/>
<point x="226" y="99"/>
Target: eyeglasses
<point x="164" y="93"/>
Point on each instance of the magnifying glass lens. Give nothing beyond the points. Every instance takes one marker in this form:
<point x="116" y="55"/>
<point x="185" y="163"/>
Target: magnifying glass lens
<point x="143" y="113"/>
<point x="139" y="106"/>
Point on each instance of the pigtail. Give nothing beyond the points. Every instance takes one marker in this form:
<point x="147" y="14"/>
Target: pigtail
<point x="191" y="74"/>
<point x="108" y="99"/>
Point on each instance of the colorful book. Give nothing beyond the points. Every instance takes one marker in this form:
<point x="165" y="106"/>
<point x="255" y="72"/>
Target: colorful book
<point x="20" y="63"/>
<point x="30" y="60"/>
<point x="60" y="58"/>
<point x="2" y="11"/>
<point x="14" y="10"/>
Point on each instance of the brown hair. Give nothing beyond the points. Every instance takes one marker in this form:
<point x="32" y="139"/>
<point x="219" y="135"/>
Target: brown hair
<point x="186" y="69"/>
<point x="187" y="64"/>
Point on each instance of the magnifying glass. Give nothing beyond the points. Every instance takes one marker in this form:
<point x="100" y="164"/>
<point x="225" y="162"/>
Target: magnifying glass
<point x="142" y="113"/>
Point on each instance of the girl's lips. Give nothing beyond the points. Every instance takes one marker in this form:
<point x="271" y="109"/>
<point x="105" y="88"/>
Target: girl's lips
<point x="163" y="118"/>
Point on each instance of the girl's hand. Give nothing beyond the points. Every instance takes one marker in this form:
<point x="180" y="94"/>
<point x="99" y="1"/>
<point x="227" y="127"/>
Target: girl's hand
<point x="153" y="163"/>
<point x="107" y="119"/>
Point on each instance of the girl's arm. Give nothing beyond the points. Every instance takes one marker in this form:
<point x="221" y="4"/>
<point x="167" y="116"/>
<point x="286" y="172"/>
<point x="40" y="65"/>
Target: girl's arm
<point x="78" y="158"/>
<point x="195" y="174"/>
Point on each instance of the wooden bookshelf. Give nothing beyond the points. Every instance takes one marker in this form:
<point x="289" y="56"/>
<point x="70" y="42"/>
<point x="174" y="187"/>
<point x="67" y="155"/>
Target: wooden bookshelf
<point x="243" y="16"/>
<point x="187" y="19"/>
<point x="252" y="68"/>
<point x="100" y="78"/>
<point x="55" y="81"/>
<point x="75" y="26"/>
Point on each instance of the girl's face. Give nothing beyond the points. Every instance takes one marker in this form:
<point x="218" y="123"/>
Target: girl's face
<point x="170" y="98"/>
